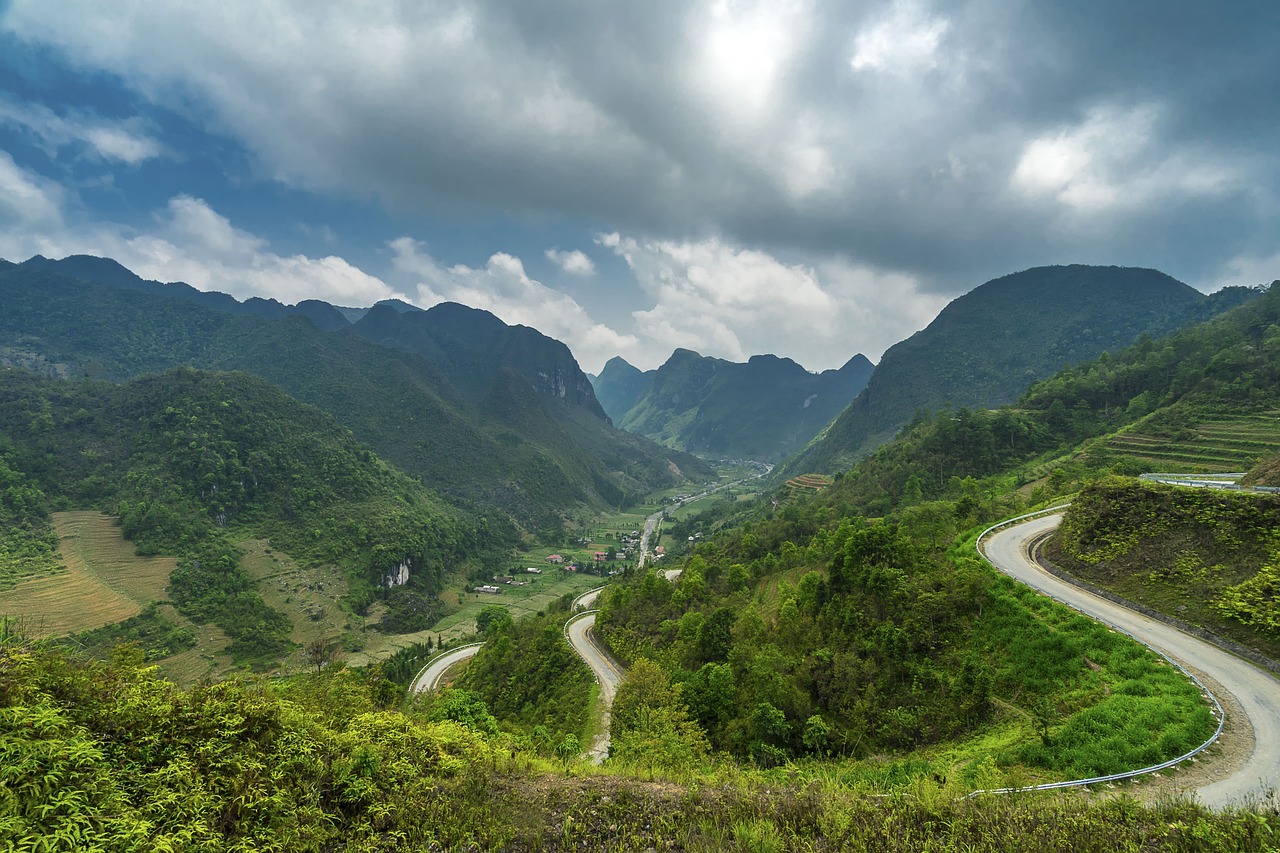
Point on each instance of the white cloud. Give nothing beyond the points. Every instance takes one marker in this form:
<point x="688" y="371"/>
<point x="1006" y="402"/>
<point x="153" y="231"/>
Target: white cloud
<point x="1110" y="161"/>
<point x="503" y="288"/>
<point x="1249" y="270"/>
<point x="197" y="245"/>
<point x="190" y="242"/>
<point x="26" y="199"/>
<point x="121" y="141"/>
<point x="903" y="40"/>
<point x="730" y="302"/>
<point x="574" y="263"/>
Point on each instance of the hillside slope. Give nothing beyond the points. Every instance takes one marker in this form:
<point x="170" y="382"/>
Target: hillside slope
<point x="191" y="462"/>
<point x="988" y="346"/>
<point x="620" y="386"/>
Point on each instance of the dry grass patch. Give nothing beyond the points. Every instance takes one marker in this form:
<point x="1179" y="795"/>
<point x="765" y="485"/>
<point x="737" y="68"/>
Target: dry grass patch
<point x="105" y="581"/>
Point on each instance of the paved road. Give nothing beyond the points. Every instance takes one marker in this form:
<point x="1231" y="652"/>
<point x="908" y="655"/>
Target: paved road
<point x="607" y="673"/>
<point x="430" y="677"/>
<point x="652" y="521"/>
<point x="649" y="524"/>
<point x="588" y="598"/>
<point x="1256" y="692"/>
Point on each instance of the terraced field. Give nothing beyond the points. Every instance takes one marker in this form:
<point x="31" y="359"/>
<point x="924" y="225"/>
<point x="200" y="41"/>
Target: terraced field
<point x="1222" y="443"/>
<point x="105" y="580"/>
<point x="808" y="483"/>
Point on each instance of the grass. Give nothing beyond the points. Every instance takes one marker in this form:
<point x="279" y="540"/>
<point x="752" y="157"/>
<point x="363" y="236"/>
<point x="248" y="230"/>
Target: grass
<point x="104" y="581"/>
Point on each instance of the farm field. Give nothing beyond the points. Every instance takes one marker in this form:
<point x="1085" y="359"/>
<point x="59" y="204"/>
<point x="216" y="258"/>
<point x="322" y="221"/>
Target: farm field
<point x="104" y="581"/>
<point x="1217" y="445"/>
<point x="519" y="600"/>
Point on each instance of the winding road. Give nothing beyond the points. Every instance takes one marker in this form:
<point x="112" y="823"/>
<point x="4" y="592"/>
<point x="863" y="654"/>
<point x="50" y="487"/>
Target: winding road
<point x="608" y="675"/>
<point x="578" y="632"/>
<point x="429" y="678"/>
<point x="1256" y="693"/>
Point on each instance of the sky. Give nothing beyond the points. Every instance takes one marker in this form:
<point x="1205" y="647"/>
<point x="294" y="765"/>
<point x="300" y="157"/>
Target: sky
<point x="805" y="178"/>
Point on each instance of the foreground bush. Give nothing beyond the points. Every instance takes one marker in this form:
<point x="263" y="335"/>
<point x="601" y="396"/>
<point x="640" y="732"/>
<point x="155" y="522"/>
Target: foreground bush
<point x="109" y="757"/>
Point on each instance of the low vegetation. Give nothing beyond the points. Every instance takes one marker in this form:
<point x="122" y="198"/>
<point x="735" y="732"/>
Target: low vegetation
<point x="106" y="756"/>
<point x="1208" y="557"/>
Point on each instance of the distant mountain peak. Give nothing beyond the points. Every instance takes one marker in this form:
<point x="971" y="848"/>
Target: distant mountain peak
<point x="399" y="305"/>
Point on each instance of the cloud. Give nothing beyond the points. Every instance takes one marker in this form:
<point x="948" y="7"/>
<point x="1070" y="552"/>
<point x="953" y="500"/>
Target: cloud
<point x="731" y="302"/>
<point x="27" y="201"/>
<point x="189" y="242"/>
<point x="904" y="39"/>
<point x="195" y="244"/>
<point x="503" y="288"/>
<point x="120" y="141"/>
<point x="950" y="142"/>
<point x="1249" y="270"/>
<point x="1110" y="161"/>
<point x="574" y="263"/>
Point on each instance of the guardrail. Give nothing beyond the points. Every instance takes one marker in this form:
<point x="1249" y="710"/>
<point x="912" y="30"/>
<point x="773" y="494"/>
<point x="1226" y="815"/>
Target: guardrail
<point x="435" y="657"/>
<point x="574" y="605"/>
<point x="1113" y="777"/>
<point x="1224" y="482"/>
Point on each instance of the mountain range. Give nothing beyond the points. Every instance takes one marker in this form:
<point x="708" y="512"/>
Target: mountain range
<point x="485" y="413"/>
<point x="989" y="345"/>
<point x="764" y="409"/>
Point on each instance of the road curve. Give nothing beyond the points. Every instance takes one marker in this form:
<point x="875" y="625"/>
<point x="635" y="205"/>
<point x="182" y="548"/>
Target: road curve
<point x="1256" y="692"/>
<point x="429" y="678"/>
<point x="608" y="674"/>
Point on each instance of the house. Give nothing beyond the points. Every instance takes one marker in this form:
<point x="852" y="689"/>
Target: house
<point x="555" y="558"/>
<point x="488" y="590"/>
<point x="660" y="550"/>
<point x="531" y="570"/>
<point x="503" y="579"/>
<point x="600" y="556"/>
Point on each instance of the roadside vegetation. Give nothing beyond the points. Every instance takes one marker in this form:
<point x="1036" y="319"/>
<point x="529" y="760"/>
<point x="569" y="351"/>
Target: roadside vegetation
<point x="1208" y="557"/>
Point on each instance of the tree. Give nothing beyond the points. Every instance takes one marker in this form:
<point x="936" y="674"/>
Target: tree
<point x="320" y="652"/>
<point x="492" y="619"/>
<point x="568" y="749"/>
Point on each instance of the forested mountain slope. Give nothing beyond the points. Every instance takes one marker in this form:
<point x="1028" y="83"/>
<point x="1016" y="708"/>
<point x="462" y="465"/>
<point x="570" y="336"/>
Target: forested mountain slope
<point x="536" y="463"/>
<point x="189" y="461"/>
<point x="838" y="621"/>
<point x="764" y="409"/>
<point x="988" y="346"/>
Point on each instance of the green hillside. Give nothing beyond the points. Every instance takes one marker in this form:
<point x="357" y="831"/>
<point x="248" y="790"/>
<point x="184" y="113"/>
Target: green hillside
<point x="620" y="386"/>
<point x="192" y="463"/>
<point x="987" y="347"/>
<point x="108" y="757"/>
<point x="833" y="669"/>
<point x="1207" y="557"/>
<point x="528" y="464"/>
